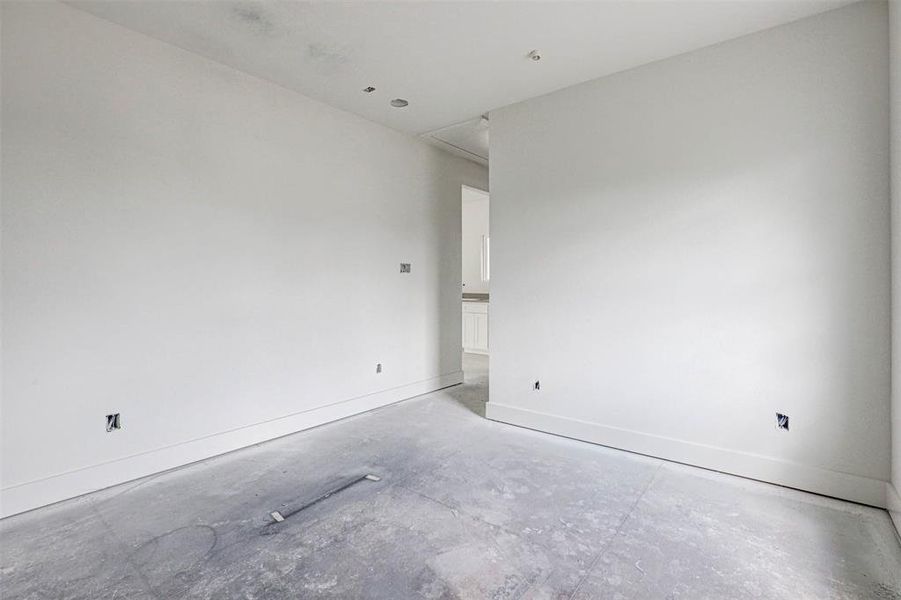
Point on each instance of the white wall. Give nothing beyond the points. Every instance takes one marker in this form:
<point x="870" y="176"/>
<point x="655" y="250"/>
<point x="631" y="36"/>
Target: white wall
<point x="211" y="255"/>
<point x="684" y="249"/>
<point x="895" y="55"/>
<point x="475" y="225"/>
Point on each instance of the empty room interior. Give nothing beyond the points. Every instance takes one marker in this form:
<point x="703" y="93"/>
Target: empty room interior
<point x="451" y="299"/>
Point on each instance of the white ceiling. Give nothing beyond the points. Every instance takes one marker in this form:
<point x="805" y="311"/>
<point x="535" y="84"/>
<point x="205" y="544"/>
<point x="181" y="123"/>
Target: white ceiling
<point x="453" y="61"/>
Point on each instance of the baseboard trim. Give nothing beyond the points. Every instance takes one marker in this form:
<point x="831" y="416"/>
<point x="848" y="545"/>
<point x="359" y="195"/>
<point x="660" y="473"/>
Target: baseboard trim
<point x="893" y="504"/>
<point x="863" y="490"/>
<point x="34" y="494"/>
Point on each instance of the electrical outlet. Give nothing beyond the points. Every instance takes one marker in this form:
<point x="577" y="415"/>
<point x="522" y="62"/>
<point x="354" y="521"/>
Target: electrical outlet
<point x="378" y="368"/>
<point x="404" y="267"/>
<point x="536" y="386"/>
<point x="113" y="422"/>
<point x="781" y="421"/>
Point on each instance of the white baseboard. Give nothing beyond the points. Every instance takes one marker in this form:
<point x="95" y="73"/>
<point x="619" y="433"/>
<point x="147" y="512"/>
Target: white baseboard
<point x="855" y="488"/>
<point x="26" y="496"/>
<point x="893" y="504"/>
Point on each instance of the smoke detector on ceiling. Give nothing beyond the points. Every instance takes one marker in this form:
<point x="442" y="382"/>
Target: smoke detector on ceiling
<point x="399" y="103"/>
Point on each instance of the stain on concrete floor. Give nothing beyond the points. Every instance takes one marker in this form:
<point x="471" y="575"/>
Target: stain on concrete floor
<point x="465" y="508"/>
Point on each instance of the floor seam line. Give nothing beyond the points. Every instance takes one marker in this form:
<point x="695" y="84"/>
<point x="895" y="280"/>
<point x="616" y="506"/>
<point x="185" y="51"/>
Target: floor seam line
<point x="454" y="509"/>
<point x="409" y="476"/>
<point x="616" y="533"/>
<point x="141" y="575"/>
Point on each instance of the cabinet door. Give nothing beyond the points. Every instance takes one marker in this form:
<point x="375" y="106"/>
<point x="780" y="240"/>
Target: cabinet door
<point x="469" y="330"/>
<point x="481" y="334"/>
<point x="475" y="327"/>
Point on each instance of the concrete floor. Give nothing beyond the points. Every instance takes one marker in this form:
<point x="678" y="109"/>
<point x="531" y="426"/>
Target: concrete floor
<point x="465" y="508"/>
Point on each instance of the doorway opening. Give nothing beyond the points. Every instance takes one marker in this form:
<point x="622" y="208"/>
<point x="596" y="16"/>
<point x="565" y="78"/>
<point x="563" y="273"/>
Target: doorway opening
<point x="476" y="289"/>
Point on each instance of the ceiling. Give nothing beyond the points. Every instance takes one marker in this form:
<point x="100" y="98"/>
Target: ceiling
<point x="453" y="61"/>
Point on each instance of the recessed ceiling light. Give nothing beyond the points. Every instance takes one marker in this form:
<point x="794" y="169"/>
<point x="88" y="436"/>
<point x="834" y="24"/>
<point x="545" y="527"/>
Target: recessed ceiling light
<point x="399" y="103"/>
<point x="369" y="89"/>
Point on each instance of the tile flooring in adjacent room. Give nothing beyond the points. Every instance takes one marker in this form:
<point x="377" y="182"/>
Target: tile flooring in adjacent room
<point x="465" y="508"/>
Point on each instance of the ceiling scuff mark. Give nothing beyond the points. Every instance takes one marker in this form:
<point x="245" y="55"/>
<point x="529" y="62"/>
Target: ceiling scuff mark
<point x="254" y="17"/>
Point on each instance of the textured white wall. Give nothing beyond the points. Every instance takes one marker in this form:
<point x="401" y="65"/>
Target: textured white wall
<point x="475" y="225"/>
<point x="211" y="255"/>
<point x="684" y="249"/>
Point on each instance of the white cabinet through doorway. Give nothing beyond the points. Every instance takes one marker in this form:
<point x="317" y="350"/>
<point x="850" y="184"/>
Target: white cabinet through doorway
<point x="475" y="327"/>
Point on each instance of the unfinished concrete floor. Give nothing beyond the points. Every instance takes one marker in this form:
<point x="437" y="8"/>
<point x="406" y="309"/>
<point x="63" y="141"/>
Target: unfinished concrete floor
<point x="465" y="508"/>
